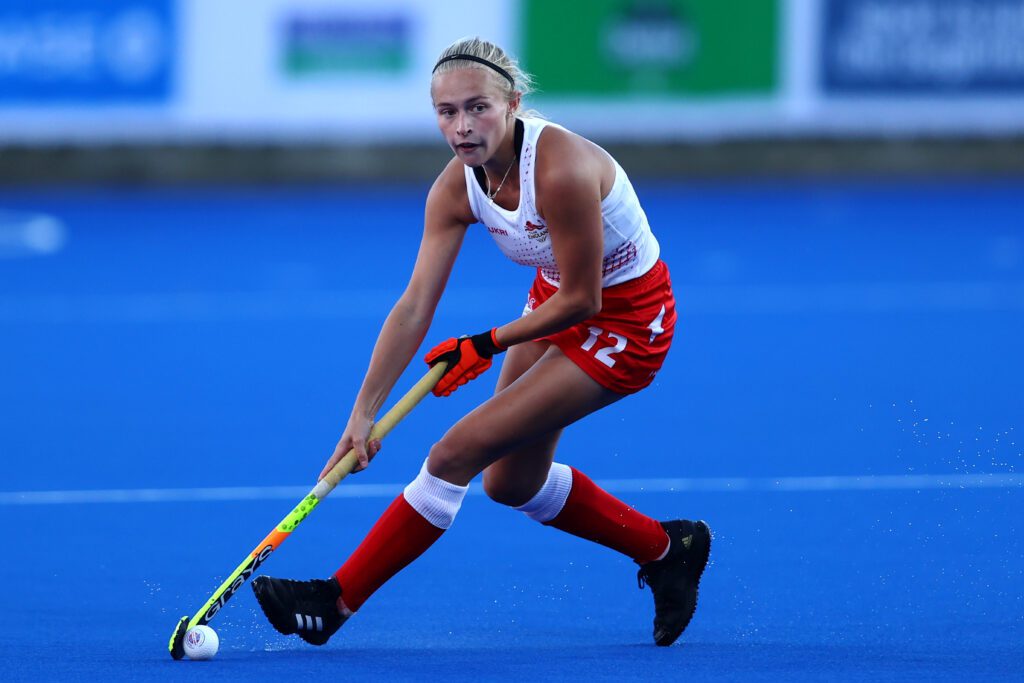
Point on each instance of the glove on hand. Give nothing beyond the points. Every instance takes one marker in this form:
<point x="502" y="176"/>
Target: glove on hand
<point x="467" y="358"/>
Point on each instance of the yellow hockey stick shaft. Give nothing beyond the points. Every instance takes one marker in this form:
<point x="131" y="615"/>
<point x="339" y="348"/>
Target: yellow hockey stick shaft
<point x="323" y="488"/>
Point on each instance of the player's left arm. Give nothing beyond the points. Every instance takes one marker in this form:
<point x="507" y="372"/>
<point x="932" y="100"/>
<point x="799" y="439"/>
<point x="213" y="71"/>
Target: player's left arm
<point x="568" y="186"/>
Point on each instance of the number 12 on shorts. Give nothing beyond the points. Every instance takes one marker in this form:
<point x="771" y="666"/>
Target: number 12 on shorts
<point x="604" y="355"/>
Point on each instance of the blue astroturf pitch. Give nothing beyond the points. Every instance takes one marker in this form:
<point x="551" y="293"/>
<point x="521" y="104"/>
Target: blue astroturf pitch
<point x="843" y="405"/>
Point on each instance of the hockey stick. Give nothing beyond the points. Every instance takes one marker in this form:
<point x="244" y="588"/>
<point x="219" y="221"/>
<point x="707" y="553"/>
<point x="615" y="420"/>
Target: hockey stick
<point x="276" y="537"/>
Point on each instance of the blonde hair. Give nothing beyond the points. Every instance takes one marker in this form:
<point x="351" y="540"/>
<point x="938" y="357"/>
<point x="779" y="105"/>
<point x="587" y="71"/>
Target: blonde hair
<point x="522" y="82"/>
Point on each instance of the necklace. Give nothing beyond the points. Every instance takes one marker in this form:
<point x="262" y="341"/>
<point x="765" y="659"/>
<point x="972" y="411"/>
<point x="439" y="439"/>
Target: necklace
<point x="492" y="195"/>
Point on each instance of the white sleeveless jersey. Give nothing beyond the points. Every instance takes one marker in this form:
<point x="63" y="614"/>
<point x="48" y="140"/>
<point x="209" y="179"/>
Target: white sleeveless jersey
<point x="630" y="249"/>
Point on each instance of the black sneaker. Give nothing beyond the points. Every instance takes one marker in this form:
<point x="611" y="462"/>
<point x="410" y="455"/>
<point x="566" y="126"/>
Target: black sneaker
<point x="308" y="608"/>
<point x="674" y="578"/>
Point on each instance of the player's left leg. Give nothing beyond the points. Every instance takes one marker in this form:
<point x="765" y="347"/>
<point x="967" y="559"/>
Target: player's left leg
<point x="528" y="479"/>
<point x="671" y="555"/>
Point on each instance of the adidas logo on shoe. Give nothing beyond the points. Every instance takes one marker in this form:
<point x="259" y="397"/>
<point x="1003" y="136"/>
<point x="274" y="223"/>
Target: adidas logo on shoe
<point x="306" y="608"/>
<point x="305" y="622"/>
<point x="674" y="579"/>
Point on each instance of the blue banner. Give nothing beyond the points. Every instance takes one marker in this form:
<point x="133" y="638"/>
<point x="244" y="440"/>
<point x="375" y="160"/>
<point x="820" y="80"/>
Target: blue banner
<point x="86" y="52"/>
<point x="923" y="46"/>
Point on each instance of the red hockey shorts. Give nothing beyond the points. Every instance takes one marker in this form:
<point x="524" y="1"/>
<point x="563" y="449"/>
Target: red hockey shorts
<point x="622" y="347"/>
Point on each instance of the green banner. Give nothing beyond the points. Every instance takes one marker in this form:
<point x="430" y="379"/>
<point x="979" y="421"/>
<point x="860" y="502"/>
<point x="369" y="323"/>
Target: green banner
<point x="660" y="48"/>
<point x="335" y="43"/>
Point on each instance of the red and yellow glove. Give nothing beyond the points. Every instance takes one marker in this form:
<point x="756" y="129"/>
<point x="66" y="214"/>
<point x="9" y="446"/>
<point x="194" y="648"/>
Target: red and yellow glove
<point x="467" y="358"/>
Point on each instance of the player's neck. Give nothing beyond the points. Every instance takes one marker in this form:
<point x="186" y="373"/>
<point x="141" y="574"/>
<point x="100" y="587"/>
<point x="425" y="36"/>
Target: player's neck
<point x="502" y="159"/>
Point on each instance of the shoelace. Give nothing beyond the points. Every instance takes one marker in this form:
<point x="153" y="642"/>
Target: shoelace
<point x="642" y="577"/>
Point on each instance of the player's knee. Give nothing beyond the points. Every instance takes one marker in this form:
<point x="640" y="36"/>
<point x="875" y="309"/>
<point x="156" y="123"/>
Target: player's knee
<point x="502" y="490"/>
<point x="453" y="460"/>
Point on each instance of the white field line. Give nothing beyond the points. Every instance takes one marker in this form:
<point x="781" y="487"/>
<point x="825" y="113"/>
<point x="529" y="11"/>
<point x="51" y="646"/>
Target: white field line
<point x="373" y="303"/>
<point x="897" y="482"/>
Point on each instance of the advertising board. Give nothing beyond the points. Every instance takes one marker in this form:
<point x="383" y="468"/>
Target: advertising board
<point x="353" y="72"/>
<point x="937" y="47"/>
<point x="59" y="52"/>
<point x="667" y="49"/>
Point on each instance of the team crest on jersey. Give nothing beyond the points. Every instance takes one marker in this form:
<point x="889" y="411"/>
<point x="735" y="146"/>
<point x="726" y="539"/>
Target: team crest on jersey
<point x="536" y="231"/>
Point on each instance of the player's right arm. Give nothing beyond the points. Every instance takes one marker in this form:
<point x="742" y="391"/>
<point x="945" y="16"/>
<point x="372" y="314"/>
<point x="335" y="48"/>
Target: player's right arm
<point x="446" y="218"/>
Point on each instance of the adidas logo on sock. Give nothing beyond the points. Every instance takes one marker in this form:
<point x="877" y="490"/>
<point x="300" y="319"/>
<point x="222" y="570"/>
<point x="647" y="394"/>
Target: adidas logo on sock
<point x="304" y="622"/>
<point x="688" y="541"/>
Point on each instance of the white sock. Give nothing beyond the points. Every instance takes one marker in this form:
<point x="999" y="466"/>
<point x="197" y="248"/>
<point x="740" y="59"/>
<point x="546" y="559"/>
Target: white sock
<point x="436" y="499"/>
<point x="551" y="498"/>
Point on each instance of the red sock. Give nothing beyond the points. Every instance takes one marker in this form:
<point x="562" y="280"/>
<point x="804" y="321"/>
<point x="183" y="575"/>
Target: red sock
<point x="592" y="513"/>
<point x="399" y="537"/>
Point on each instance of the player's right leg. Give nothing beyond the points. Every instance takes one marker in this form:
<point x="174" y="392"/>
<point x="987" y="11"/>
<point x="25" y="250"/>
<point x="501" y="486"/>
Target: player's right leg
<point x="412" y="523"/>
<point x="540" y="403"/>
<point x="307" y="608"/>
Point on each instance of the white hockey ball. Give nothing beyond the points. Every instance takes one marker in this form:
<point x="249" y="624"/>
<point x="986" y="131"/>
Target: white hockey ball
<point x="201" y="642"/>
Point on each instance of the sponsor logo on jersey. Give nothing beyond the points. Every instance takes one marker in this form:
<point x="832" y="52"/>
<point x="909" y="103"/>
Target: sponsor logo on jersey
<point x="497" y="231"/>
<point x="536" y="231"/>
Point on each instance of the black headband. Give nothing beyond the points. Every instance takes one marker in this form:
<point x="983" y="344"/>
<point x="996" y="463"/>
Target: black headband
<point x="478" y="60"/>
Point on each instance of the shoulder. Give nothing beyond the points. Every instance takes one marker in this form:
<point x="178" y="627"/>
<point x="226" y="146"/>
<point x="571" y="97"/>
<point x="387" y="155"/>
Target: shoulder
<point x="561" y="151"/>
<point x="568" y="165"/>
<point x="448" y="199"/>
